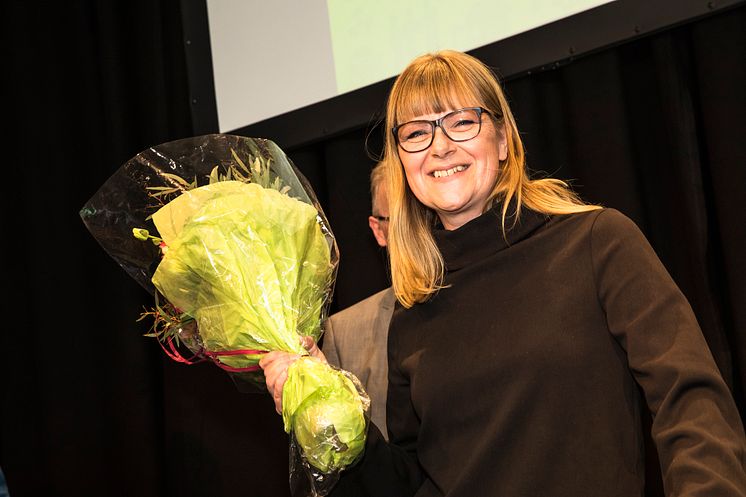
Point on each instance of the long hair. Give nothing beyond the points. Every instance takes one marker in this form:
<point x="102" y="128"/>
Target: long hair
<point x="431" y="84"/>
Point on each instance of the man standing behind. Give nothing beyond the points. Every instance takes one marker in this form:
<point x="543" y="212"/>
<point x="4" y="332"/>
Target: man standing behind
<point x="355" y="339"/>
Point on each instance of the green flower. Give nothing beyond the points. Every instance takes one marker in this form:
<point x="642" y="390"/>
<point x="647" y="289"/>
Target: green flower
<point x="144" y="235"/>
<point x="141" y="234"/>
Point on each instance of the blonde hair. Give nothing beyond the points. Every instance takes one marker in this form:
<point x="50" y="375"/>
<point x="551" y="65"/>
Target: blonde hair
<point x="431" y="84"/>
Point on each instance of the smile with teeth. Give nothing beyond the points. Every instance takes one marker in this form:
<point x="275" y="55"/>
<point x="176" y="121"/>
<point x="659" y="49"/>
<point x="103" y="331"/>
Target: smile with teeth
<point x="448" y="172"/>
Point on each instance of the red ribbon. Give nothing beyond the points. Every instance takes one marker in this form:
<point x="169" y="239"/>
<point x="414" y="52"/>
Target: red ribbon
<point x="202" y="355"/>
<point x="215" y="355"/>
<point x="174" y="354"/>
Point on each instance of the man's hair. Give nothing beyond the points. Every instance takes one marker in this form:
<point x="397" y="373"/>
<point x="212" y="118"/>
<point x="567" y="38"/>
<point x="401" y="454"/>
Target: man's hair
<point x="377" y="177"/>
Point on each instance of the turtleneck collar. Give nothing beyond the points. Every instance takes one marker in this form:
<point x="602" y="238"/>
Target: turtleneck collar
<point x="483" y="236"/>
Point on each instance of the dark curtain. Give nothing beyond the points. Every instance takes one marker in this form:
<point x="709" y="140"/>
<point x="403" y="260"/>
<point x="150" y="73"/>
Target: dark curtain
<point x="89" y="406"/>
<point x="653" y="127"/>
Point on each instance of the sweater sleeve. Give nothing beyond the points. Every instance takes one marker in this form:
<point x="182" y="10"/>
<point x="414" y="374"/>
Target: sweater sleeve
<point x="696" y="426"/>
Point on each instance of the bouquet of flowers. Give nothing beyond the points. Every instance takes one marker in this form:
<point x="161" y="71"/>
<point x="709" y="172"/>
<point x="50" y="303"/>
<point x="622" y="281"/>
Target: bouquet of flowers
<point x="230" y="240"/>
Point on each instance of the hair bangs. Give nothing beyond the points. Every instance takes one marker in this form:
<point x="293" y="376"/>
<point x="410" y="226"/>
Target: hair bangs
<point x="432" y="88"/>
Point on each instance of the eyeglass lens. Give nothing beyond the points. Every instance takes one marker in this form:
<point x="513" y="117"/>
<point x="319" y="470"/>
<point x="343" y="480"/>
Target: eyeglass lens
<point x="459" y="125"/>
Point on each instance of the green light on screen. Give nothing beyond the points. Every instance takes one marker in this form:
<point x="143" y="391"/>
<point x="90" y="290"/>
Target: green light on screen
<point x="374" y="40"/>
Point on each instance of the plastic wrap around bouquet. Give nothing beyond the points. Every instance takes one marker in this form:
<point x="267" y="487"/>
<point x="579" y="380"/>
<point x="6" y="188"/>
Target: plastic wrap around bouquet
<point x="230" y="240"/>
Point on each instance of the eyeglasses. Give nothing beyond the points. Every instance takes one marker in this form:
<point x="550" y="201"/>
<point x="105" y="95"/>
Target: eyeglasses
<point x="381" y="218"/>
<point x="459" y="126"/>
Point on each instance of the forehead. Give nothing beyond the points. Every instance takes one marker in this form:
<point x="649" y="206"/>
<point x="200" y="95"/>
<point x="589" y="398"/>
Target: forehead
<point x="428" y="94"/>
<point x="380" y="201"/>
<point x="431" y="116"/>
<point x="432" y="106"/>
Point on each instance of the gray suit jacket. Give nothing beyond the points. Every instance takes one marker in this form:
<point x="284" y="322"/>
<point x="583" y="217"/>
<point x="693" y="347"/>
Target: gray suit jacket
<point x="355" y="340"/>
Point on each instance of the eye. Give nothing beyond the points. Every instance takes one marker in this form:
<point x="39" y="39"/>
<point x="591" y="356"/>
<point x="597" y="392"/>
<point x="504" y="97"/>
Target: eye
<point x="463" y="122"/>
<point x="414" y="135"/>
<point x="415" y="132"/>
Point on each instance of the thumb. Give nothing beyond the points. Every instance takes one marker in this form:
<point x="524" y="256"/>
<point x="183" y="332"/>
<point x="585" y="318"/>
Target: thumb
<point x="312" y="347"/>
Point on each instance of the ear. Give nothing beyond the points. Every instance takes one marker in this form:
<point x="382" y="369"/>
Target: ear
<point x="377" y="229"/>
<point x="502" y="143"/>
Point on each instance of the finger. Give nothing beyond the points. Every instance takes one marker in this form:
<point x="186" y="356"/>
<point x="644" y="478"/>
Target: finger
<point x="312" y="347"/>
<point x="277" y="393"/>
<point x="275" y="366"/>
<point x="279" y="373"/>
<point x="269" y="358"/>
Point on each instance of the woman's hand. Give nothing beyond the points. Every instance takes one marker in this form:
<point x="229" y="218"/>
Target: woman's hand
<point x="275" y="365"/>
<point x="313" y="349"/>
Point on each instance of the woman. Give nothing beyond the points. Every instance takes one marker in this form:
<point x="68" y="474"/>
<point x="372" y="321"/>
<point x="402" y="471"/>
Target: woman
<point x="529" y="323"/>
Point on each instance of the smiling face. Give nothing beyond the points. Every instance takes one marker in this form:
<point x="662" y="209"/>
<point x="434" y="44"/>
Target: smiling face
<point x="455" y="179"/>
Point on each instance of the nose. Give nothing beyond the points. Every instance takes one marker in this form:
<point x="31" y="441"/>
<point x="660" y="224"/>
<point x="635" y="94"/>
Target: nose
<point x="442" y="145"/>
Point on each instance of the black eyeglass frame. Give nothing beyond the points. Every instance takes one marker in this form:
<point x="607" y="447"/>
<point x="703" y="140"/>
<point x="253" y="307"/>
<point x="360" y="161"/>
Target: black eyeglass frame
<point x="438" y="123"/>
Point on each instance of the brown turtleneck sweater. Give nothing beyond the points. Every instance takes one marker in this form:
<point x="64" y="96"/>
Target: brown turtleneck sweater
<point x="526" y="376"/>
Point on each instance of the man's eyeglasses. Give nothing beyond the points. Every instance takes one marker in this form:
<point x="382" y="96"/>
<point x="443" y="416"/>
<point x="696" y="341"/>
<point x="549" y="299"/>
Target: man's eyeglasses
<point x="459" y="126"/>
